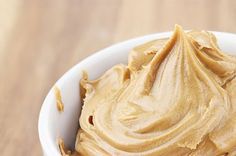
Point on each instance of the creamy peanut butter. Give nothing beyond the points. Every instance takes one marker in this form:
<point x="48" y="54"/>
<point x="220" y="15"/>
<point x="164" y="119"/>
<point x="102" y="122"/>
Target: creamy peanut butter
<point x="176" y="97"/>
<point x="57" y="93"/>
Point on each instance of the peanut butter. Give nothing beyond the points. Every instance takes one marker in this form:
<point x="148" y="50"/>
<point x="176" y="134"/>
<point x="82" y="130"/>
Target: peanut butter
<point x="176" y="96"/>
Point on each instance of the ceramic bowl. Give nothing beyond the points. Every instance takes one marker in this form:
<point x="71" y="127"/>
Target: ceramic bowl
<point x="53" y="124"/>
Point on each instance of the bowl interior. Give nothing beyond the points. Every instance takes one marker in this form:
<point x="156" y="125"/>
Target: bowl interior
<point x="54" y="125"/>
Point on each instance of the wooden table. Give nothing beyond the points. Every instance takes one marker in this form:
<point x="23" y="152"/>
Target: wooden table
<point x="41" y="39"/>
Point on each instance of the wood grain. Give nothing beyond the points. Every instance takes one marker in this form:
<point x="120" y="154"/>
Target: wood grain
<point x="41" y="39"/>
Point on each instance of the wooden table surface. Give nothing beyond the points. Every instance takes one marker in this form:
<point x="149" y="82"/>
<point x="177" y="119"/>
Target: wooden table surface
<point x="41" y="39"/>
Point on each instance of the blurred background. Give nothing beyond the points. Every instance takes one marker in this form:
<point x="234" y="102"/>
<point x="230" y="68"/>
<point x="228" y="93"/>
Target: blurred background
<point x="41" y="39"/>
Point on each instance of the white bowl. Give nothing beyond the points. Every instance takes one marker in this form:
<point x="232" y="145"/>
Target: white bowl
<point x="53" y="124"/>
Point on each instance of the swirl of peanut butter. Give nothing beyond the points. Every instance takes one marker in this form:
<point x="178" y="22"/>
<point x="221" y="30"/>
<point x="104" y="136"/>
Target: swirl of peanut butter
<point x="176" y="97"/>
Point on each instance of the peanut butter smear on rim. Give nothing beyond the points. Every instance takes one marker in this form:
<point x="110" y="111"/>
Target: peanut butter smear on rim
<point x="176" y="96"/>
<point x="59" y="103"/>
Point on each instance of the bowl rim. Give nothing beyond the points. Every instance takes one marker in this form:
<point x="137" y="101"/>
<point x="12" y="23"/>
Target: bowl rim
<point x="46" y="143"/>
